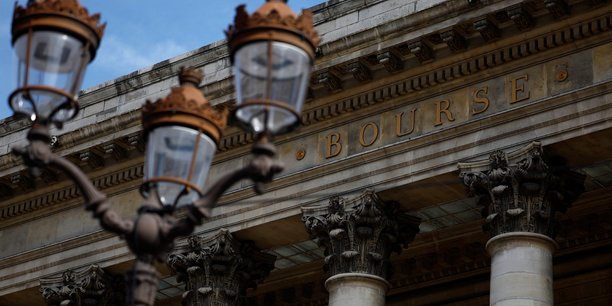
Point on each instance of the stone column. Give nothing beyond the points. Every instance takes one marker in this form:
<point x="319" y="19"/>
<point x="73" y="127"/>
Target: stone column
<point x="521" y="193"/>
<point x="219" y="269"/>
<point x="359" y="236"/>
<point x="90" y="286"/>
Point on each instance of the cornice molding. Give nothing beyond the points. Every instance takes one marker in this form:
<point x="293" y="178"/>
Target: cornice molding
<point x="18" y="212"/>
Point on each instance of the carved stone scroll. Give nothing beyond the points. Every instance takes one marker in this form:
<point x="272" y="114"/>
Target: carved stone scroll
<point x="557" y="8"/>
<point x="219" y="269"/>
<point x="521" y="191"/>
<point x="421" y="51"/>
<point x="487" y="29"/>
<point x="391" y="62"/>
<point x="455" y="41"/>
<point x="87" y="287"/>
<point x="359" y="235"/>
<point x="521" y="18"/>
<point x="330" y="80"/>
<point x="359" y="71"/>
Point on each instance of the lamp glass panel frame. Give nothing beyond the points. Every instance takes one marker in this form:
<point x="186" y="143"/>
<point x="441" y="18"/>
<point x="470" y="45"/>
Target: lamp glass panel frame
<point x="50" y="66"/>
<point x="177" y="161"/>
<point x="271" y="82"/>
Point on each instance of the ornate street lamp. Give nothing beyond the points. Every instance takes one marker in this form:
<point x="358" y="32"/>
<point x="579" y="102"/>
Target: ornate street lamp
<point x="273" y="52"/>
<point x="53" y="41"/>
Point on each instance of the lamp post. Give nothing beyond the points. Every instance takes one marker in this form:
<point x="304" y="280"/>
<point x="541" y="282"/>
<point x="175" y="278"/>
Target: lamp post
<point x="272" y="51"/>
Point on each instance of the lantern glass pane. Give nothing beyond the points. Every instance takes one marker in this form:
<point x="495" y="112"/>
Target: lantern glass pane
<point x="272" y="79"/>
<point x="48" y="62"/>
<point x="176" y="153"/>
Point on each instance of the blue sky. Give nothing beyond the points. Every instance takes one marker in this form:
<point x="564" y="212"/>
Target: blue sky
<point x="139" y="33"/>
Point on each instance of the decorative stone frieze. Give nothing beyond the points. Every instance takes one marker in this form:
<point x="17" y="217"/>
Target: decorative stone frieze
<point x="359" y="235"/>
<point x="487" y="29"/>
<point x="359" y="71"/>
<point x="521" y="191"/>
<point x="521" y="18"/>
<point x="557" y="8"/>
<point x="421" y="51"/>
<point x="391" y="61"/>
<point x="87" y="287"/>
<point x="219" y="269"/>
<point x="455" y="41"/>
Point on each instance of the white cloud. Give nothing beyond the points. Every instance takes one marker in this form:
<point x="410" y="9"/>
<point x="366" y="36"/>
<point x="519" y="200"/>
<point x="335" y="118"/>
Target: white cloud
<point x="121" y="57"/>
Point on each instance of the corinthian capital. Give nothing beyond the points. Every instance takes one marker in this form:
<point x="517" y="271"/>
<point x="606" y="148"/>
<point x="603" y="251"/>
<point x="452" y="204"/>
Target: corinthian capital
<point x="85" y="287"/>
<point x="521" y="191"/>
<point x="360" y="234"/>
<point x="218" y="270"/>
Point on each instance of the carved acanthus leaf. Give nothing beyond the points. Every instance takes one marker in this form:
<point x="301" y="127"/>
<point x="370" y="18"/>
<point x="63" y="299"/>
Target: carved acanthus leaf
<point x="90" y="284"/>
<point x="524" y="189"/>
<point x="219" y="268"/>
<point x="360" y="234"/>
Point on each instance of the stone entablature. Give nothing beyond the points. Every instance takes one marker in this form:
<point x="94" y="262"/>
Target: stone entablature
<point x="427" y="115"/>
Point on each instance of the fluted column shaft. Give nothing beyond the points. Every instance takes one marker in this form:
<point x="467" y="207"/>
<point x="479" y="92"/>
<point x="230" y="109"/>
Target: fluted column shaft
<point x="521" y="193"/>
<point x="359" y="236"/>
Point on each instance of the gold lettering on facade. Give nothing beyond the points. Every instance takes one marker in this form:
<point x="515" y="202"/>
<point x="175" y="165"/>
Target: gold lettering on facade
<point x="443" y="107"/>
<point x="518" y="92"/>
<point x="398" y="123"/>
<point x="333" y="145"/>
<point x="362" y="137"/>
<point x="480" y="97"/>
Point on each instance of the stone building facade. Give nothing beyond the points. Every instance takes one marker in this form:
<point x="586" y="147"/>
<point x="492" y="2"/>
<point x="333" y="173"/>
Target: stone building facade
<point x="452" y="152"/>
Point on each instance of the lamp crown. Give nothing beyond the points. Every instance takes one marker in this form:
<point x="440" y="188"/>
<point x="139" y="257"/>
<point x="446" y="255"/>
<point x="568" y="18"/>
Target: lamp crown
<point x="185" y="106"/>
<point x="70" y="9"/>
<point x="274" y="15"/>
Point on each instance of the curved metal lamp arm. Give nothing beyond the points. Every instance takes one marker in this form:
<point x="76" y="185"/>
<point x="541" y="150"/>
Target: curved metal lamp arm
<point x="260" y="170"/>
<point x="38" y="155"/>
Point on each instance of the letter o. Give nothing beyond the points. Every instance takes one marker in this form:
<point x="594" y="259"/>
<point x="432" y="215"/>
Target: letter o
<point x="362" y="131"/>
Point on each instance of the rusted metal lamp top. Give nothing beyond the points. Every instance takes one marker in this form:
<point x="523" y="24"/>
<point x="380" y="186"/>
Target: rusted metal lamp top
<point x="272" y="50"/>
<point x="54" y="40"/>
<point x="66" y="16"/>
<point x="185" y="106"/>
<point x="273" y="21"/>
<point x="182" y="131"/>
